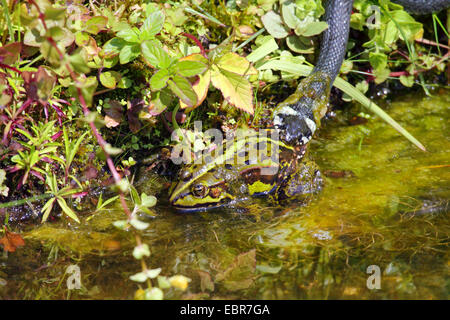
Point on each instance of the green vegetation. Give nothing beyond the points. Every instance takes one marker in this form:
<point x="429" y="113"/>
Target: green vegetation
<point x="86" y="88"/>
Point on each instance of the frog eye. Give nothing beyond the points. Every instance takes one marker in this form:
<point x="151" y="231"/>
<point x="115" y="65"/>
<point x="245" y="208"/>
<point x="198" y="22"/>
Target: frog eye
<point x="199" y="190"/>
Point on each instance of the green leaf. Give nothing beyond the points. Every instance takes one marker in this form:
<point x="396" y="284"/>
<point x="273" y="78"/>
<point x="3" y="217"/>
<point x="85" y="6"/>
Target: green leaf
<point x="121" y="224"/>
<point x="155" y="55"/>
<point x="235" y="89"/>
<point x="163" y="282"/>
<point x="129" y="34"/>
<point x="159" y="79"/>
<point x="129" y="52"/>
<point x="274" y="25"/>
<point x="114" y="46"/>
<point x="315" y="28"/>
<point x="47" y="208"/>
<point x="109" y="149"/>
<point x="407" y="81"/>
<point x="378" y="60"/>
<point x="288" y="13"/>
<point x="3" y="189"/>
<point x="183" y="89"/>
<point x="140" y="251"/>
<point x="78" y="62"/>
<point x="147" y="201"/>
<point x="109" y="79"/>
<point x="96" y="24"/>
<point x="53" y="13"/>
<point x="138" y="224"/>
<point x="33" y="38"/>
<point x="153" y="273"/>
<point x="152" y="25"/>
<point x="233" y="62"/>
<point x="263" y="50"/>
<point x="188" y="68"/>
<point x="51" y="54"/>
<point x="88" y="86"/>
<point x="139" y="277"/>
<point x="381" y="75"/>
<point x="62" y="203"/>
<point x="299" y="44"/>
<point x="410" y="28"/>
<point x="268" y="269"/>
<point x="154" y="294"/>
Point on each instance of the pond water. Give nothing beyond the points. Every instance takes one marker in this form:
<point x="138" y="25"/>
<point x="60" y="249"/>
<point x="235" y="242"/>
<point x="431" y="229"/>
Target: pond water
<point x="389" y="210"/>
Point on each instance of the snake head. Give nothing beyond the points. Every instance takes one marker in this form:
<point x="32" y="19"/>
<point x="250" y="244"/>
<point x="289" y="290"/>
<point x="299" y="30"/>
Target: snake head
<point x="298" y="117"/>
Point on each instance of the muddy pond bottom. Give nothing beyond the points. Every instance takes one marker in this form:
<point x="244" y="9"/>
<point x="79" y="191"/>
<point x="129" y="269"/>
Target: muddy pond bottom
<point x="378" y="230"/>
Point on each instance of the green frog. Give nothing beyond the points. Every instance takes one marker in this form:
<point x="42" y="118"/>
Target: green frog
<point x="255" y="166"/>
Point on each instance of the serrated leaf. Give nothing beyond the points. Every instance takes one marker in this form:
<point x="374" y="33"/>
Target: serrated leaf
<point x="113" y="46"/>
<point x="154" y="54"/>
<point x="188" y="68"/>
<point x="233" y="62"/>
<point x="274" y="25"/>
<point x="200" y="87"/>
<point x="235" y="89"/>
<point x="129" y="34"/>
<point x="129" y="52"/>
<point x="152" y="25"/>
<point x="183" y="89"/>
<point x="96" y="24"/>
<point x="159" y="79"/>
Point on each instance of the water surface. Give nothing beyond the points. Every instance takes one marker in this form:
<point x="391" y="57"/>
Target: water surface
<point x="373" y="211"/>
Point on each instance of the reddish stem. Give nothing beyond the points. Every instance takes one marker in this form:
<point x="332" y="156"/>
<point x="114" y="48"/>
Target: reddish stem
<point x="86" y="112"/>
<point x="5" y="66"/>
<point x="197" y="42"/>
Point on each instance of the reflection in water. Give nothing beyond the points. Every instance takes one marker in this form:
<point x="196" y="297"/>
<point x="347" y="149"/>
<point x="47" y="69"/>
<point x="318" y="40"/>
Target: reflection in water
<point x="389" y="209"/>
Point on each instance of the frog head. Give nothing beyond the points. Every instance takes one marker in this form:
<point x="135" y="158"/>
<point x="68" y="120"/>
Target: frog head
<point x="198" y="190"/>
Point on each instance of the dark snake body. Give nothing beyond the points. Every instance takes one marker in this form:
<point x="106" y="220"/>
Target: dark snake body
<point x="294" y="117"/>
